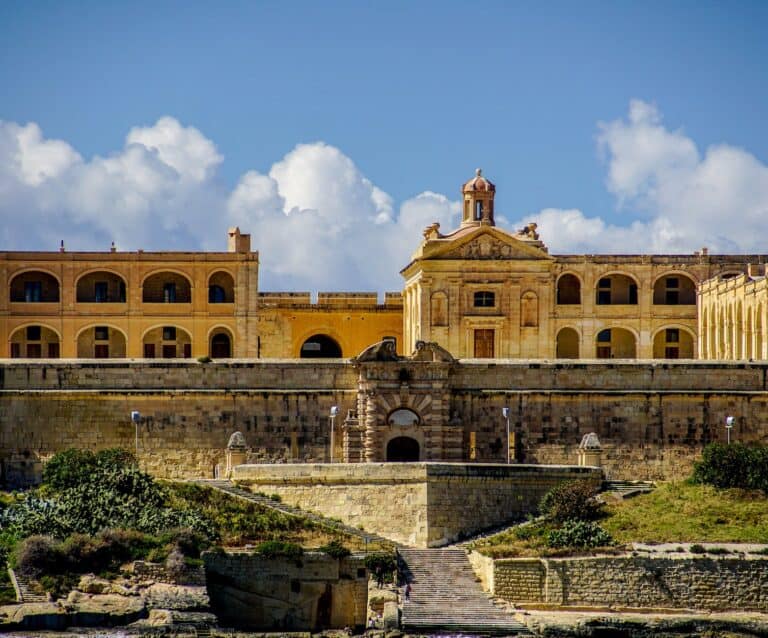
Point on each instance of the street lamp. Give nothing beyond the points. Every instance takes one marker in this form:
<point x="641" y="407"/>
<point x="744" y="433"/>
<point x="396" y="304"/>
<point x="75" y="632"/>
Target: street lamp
<point x="729" y="426"/>
<point x="334" y="412"/>
<point x="136" y="418"/>
<point x="505" y="413"/>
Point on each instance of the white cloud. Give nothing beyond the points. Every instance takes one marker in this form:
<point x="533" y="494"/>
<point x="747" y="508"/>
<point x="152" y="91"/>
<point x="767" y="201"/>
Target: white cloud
<point x="685" y="199"/>
<point x="320" y="223"/>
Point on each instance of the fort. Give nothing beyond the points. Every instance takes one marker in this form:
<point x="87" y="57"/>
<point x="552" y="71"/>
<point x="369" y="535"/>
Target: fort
<point x="650" y="352"/>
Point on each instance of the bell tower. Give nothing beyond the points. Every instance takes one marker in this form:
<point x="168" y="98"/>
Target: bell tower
<point x="478" y="196"/>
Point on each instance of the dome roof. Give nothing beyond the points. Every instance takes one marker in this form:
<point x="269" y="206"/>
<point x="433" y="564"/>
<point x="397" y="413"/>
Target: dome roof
<point x="478" y="183"/>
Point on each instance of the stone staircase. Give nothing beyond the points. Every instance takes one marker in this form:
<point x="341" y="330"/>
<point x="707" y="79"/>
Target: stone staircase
<point x="628" y="489"/>
<point x="230" y="488"/>
<point x="23" y="587"/>
<point x="447" y="598"/>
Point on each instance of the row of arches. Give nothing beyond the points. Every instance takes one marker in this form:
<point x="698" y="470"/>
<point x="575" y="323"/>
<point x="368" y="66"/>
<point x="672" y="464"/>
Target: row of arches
<point x="674" y="289"/>
<point x="672" y="342"/>
<point x="109" y="342"/>
<point x="729" y="331"/>
<point x="104" y="286"/>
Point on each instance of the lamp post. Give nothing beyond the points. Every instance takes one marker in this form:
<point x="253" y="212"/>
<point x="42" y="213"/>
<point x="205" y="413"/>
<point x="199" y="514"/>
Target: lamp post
<point x="334" y="412"/>
<point x="505" y="413"/>
<point x="136" y="418"/>
<point x="729" y="420"/>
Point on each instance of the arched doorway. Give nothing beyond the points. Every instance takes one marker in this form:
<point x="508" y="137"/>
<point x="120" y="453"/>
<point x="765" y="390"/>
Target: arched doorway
<point x="221" y="345"/>
<point x="567" y="346"/>
<point x="320" y="347"/>
<point x="403" y="449"/>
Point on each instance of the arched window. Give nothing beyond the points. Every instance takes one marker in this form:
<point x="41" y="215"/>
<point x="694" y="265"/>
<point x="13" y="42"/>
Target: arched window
<point x="320" y="347"/>
<point x="221" y="288"/>
<point x="101" y="287"/>
<point x="167" y="287"/>
<point x="568" y="290"/>
<point x="674" y="290"/>
<point x="615" y="343"/>
<point x="34" y="287"/>
<point x="616" y="290"/>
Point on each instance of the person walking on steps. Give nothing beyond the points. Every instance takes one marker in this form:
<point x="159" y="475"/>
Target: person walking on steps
<point x="408" y="591"/>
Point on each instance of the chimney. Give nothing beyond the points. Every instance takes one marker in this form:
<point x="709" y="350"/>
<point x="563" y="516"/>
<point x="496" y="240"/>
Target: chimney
<point x="237" y="242"/>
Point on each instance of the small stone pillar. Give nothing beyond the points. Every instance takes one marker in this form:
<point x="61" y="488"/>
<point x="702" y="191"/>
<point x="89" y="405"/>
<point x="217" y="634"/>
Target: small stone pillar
<point x="590" y="451"/>
<point x="237" y="452"/>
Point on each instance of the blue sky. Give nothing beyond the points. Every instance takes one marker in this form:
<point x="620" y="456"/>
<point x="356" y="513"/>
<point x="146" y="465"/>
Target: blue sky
<point x="413" y="95"/>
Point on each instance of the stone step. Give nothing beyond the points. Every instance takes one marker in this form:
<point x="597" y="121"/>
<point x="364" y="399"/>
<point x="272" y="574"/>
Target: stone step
<point x="447" y="597"/>
<point x="24" y="589"/>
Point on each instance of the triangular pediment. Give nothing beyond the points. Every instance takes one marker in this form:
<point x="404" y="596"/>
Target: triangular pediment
<point x="484" y="243"/>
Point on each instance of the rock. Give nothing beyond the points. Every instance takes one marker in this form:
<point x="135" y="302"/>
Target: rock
<point x="91" y="584"/>
<point x="35" y="616"/>
<point x="107" y="610"/>
<point x="162" y="596"/>
<point x="159" y="617"/>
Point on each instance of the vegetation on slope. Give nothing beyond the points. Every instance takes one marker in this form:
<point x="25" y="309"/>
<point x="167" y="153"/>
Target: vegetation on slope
<point x="724" y="501"/>
<point x="96" y="511"/>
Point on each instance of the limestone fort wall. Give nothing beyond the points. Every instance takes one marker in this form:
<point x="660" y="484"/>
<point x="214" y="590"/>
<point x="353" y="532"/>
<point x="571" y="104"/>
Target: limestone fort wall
<point x="652" y="419"/>
<point x="684" y="581"/>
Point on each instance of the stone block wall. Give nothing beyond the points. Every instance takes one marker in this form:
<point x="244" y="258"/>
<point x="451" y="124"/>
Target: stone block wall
<point x="318" y="592"/>
<point x="704" y="583"/>
<point x="418" y="504"/>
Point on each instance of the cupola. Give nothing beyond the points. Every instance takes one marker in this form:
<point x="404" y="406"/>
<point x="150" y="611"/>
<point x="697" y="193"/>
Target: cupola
<point x="478" y="201"/>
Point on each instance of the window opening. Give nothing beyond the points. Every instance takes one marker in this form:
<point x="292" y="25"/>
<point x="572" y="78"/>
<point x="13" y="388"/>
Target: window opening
<point x="485" y="299"/>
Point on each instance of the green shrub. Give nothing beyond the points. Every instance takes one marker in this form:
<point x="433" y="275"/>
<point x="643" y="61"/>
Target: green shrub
<point x="571" y="501"/>
<point x="697" y="549"/>
<point x="280" y="549"/>
<point x="579" y="534"/>
<point x="37" y="555"/>
<point x="734" y="465"/>
<point x="381" y="561"/>
<point x="335" y="549"/>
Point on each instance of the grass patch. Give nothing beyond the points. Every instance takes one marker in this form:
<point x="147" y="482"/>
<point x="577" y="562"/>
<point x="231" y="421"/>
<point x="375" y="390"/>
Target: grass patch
<point x="678" y="512"/>
<point x="681" y="512"/>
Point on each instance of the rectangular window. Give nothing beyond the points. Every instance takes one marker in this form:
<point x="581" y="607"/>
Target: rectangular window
<point x="485" y="299"/>
<point x="33" y="291"/>
<point x="33" y="333"/>
<point x="101" y="333"/>
<point x="673" y="282"/>
<point x="672" y="353"/>
<point x="15" y="351"/>
<point x="604" y="292"/>
<point x="101" y="291"/>
<point x="169" y="333"/>
<point x="169" y="293"/>
<point x="101" y="351"/>
<point x="673" y="335"/>
<point x="149" y="350"/>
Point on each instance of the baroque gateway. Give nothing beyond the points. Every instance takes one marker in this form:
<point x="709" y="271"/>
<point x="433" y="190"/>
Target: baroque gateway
<point x="491" y="324"/>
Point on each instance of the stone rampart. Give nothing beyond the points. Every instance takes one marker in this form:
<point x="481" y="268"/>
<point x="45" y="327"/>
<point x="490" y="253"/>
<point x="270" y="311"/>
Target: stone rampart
<point x="704" y="583"/>
<point x="652" y="419"/>
<point x="418" y="504"/>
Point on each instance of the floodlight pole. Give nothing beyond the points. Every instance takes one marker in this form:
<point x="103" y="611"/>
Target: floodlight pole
<point x="136" y="418"/>
<point x="334" y="412"/>
<point x="729" y="426"/>
<point x="505" y="413"/>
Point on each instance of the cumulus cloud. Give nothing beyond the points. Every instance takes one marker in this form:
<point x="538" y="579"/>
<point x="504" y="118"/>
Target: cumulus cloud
<point x="681" y="198"/>
<point x="320" y="223"/>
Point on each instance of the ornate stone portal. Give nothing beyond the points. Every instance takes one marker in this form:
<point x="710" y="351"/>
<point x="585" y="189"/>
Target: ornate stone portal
<point x="402" y="407"/>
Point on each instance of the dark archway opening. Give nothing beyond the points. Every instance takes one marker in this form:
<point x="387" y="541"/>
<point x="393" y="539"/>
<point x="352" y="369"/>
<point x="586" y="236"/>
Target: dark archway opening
<point x="403" y="449"/>
<point x="320" y="347"/>
<point x="220" y="346"/>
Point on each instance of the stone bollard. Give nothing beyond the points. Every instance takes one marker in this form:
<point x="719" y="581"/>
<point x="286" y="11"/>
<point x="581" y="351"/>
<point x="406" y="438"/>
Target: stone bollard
<point x="590" y="451"/>
<point x="237" y="452"/>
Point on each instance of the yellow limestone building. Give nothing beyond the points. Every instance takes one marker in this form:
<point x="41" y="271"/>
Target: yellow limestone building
<point x="478" y="291"/>
<point x="481" y="292"/>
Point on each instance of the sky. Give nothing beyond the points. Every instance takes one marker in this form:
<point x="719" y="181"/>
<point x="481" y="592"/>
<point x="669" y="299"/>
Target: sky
<point x="334" y="132"/>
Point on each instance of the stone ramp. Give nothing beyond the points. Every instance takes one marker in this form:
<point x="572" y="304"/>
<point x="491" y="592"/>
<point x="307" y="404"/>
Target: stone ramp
<point x="228" y="487"/>
<point x="446" y="596"/>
